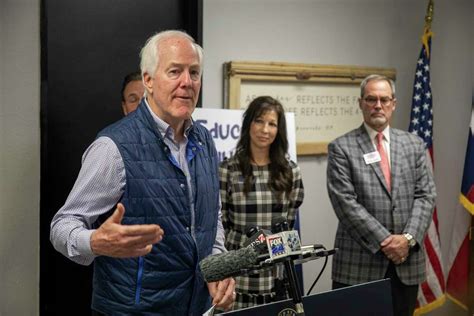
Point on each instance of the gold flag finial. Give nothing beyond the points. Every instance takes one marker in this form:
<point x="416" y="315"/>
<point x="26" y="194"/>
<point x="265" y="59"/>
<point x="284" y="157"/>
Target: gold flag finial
<point x="429" y="14"/>
<point x="427" y="31"/>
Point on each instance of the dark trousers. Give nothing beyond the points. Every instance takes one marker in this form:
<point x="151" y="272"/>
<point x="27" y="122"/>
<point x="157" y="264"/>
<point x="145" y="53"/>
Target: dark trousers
<point x="403" y="296"/>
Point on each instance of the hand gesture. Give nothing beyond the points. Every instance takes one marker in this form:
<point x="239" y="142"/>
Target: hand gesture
<point x="123" y="241"/>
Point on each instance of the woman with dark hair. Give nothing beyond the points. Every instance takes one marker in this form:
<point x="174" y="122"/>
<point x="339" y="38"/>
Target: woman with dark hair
<point x="259" y="183"/>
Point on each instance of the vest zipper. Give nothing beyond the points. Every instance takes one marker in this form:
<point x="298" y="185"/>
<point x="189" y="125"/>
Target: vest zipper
<point x="139" y="280"/>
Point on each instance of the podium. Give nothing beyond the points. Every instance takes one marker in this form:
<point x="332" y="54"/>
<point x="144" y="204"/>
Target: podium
<point x="367" y="299"/>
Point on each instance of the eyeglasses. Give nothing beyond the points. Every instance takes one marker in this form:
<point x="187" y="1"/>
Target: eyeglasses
<point x="372" y="101"/>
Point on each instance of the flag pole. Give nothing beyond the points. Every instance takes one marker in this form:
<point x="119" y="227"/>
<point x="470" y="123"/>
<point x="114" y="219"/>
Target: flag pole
<point x="427" y="34"/>
<point x="429" y="12"/>
<point x="431" y="292"/>
<point x="470" y="282"/>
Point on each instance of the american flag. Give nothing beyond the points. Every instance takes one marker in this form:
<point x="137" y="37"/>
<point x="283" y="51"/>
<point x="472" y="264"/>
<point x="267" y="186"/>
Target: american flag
<point x="431" y="292"/>
<point x="421" y="120"/>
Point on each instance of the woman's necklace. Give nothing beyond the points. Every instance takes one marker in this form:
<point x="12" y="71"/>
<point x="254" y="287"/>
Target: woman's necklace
<point x="261" y="162"/>
<point x="259" y="166"/>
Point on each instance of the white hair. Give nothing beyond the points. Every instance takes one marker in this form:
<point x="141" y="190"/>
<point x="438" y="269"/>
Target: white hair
<point x="149" y="54"/>
<point x="376" y="78"/>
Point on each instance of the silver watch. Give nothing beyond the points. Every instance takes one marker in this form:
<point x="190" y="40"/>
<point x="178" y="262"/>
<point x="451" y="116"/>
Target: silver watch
<point x="410" y="239"/>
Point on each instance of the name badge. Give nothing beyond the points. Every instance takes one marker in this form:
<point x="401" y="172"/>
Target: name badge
<point x="372" y="157"/>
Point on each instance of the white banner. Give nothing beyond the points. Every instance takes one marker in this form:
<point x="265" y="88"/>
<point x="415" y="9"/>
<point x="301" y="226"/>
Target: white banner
<point x="225" y="125"/>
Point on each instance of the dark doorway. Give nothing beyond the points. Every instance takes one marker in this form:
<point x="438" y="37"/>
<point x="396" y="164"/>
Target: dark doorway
<point x="87" y="47"/>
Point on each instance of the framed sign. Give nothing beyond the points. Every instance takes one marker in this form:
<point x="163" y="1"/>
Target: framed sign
<point x="324" y="98"/>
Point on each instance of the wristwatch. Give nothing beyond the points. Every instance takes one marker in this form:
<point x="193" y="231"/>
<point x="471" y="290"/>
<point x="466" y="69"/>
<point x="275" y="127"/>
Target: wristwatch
<point x="410" y="239"/>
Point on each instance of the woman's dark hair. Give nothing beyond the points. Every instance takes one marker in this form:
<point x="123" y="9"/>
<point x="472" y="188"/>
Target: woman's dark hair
<point x="281" y="175"/>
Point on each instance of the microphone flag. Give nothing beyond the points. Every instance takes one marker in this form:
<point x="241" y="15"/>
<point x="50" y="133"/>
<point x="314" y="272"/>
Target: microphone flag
<point x="283" y="244"/>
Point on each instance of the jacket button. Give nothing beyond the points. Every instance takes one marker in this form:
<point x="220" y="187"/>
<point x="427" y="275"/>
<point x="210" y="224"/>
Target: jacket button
<point x="182" y="185"/>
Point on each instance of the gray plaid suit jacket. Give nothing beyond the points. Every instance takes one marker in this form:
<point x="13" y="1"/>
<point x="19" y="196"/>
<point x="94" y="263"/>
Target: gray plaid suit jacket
<point x="368" y="213"/>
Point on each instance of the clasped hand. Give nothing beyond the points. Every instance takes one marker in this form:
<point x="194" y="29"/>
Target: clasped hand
<point x="124" y="241"/>
<point x="396" y="248"/>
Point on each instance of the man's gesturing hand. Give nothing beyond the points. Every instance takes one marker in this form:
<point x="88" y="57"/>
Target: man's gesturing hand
<point x="122" y="241"/>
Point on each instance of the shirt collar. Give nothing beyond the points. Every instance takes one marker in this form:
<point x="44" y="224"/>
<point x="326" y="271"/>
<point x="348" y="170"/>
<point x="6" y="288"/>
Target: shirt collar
<point x="373" y="133"/>
<point x="164" y="128"/>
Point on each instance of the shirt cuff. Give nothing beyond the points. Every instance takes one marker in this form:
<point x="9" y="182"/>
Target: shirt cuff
<point x="84" y="243"/>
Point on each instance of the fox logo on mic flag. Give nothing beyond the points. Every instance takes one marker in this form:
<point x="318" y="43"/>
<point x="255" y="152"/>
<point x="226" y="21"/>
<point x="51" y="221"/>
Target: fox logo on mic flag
<point x="283" y="244"/>
<point x="276" y="246"/>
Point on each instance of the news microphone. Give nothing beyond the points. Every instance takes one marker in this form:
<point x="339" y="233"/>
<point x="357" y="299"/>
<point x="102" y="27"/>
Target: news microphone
<point x="283" y="245"/>
<point x="279" y="224"/>
<point x="257" y="239"/>
<point x="228" y="264"/>
<point x="252" y="230"/>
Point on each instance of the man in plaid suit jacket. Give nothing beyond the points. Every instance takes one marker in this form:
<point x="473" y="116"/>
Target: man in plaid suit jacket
<point x="382" y="217"/>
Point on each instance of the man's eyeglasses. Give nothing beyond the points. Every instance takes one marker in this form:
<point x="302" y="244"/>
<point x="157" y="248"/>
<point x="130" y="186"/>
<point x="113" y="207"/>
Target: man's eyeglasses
<point x="372" y="101"/>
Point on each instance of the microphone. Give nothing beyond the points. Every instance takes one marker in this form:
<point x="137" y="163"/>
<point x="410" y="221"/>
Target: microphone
<point x="237" y="262"/>
<point x="257" y="239"/>
<point x="284" y="244"/>
<point x="285" y="247"/>
<point x="228" y="264"/>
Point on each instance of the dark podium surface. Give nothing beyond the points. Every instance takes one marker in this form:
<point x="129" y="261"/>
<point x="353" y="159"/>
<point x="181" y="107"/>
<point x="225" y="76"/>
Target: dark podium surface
<point x="367" y="299"/>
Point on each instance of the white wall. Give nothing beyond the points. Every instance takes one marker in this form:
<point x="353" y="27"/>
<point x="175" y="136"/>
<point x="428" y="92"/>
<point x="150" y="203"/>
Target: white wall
<point x="19" y="157"/>
<point x="383" y="33"/>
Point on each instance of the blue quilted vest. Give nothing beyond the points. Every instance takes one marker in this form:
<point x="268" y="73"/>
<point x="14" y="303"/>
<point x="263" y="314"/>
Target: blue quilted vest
<point x="167" y="281"/>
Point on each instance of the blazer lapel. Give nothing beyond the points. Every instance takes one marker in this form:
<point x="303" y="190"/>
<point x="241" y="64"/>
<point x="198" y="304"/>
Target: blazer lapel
<point x="367" y="147"/>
